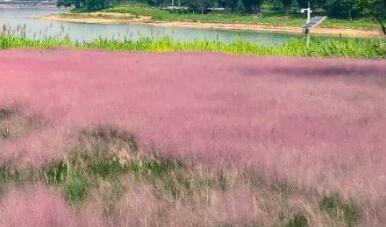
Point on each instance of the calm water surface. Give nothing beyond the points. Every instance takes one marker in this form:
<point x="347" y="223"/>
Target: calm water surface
<point x="36" y="28"/>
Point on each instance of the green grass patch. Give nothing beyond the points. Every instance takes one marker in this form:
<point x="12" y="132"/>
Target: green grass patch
<point x="75" y="188"/>
<point x="299" y="220"/>
<point x="107" y="168"/>
<point x="341" y="210"/>
<point x="56" y="173"/>
<point x="326" y="47"/>
<point x="6" y="113"/>
<point x="7" y="175"/>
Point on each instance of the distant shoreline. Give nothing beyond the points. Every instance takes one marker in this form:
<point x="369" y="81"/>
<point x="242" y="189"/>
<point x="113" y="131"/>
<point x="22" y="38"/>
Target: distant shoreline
<point x="4" y="5"/>
<point x="120" y="18"/>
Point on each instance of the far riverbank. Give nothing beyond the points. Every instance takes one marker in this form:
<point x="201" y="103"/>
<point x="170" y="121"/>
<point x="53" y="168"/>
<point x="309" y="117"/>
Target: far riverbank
<point x="126" y="18"/>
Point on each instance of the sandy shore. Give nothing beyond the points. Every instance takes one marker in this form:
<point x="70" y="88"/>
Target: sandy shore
<point x="119" y="18"/>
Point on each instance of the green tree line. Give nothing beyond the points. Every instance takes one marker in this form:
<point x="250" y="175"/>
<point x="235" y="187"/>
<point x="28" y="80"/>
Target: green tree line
<point x="349" y="9"/>
<point x="333" y="8"/>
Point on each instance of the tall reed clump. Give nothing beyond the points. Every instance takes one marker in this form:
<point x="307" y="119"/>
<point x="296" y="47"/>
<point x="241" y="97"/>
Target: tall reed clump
<point x="333" y="47"/>
<point x="23" y="42"/>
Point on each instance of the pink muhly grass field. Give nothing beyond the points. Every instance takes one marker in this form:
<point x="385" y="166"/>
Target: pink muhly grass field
<point x="319" y="123"/>
<point x="35" y="206"/>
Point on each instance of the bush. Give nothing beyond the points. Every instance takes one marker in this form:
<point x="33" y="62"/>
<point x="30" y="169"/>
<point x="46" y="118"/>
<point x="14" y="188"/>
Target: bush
<point x="343" y="8"/>
<point x="341" y="210"/>
<point x="92" y="5"/>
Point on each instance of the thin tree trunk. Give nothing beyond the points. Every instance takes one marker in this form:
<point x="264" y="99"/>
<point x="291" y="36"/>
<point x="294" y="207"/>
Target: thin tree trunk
<point x="349" y="15"/>
<point x="380" y="21"/>
<point x="286" y="10"/>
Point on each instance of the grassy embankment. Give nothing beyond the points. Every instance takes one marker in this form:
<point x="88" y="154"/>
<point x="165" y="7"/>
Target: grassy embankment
<point x="334" y="47"/>
<point x="107" y="163"/>
<point x="266" y="17"/>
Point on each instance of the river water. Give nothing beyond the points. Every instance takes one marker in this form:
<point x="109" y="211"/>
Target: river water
<point x="37" y="29"/>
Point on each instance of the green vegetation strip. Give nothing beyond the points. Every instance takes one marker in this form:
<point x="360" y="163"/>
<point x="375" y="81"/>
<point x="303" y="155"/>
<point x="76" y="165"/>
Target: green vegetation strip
<point x="328" y="47"/>
<point x="158" y="14"/>
<point x="341" y="210"/>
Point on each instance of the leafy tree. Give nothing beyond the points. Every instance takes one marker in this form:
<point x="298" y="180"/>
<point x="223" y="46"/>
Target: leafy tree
<point x="92" y="5"/>
<point x="338" y="8"/>
<point x="286" y="4"/>
<point x="89" y="5"/>
<point x="314" y="3"/>
<point x="64" y="3"/>
<point x="154" y="2"/>
<point x="334" y="8"/>
<point x="252" y="5"/>
<point x="344" y="8"/>
<point x="79" y="3"/>
<point x="229" y="4"/>
<point x="302" y="3"/>
<point x="67" y="3"/>
<point x="377" y="9"/>
<point x="200" y="5"/>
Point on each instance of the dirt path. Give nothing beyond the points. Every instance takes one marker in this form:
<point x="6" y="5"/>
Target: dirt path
<point x="118" y="18"/>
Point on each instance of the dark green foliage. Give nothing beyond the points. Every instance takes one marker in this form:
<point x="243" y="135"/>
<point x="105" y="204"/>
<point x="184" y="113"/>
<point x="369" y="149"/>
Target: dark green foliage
<point x="344" y="8"/>
<point x="65" y="3"/>
<point x="252" y="5"/>
<point x="75" y="188"/>
<point x="92" y="5"/>
<point x="87" y="5"/>
<point x="199" y="5"/>
<point x="107" y="168"/>
<point x="57" y="173"/>
<point x="7" y="175"/>
<point x="6" y="113"/>
<point x="68" y="3"/>
<point x="298" y="221"/>
<point x="286" y="4"/>
<point x="378" y="11"/>
<point x="343" y="211"/>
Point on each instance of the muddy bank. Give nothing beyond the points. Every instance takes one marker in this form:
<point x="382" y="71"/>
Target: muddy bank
<point x="120" y="18"/>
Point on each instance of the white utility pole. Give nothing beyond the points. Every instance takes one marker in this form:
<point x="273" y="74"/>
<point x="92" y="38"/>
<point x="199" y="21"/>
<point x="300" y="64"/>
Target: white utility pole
<point x="309" y="11"/>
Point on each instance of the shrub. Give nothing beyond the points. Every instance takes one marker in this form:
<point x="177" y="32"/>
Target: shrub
<point x="341" y="210"/>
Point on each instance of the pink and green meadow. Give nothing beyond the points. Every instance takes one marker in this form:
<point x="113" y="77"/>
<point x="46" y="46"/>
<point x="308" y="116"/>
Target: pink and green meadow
<point x="97" y="138"/>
